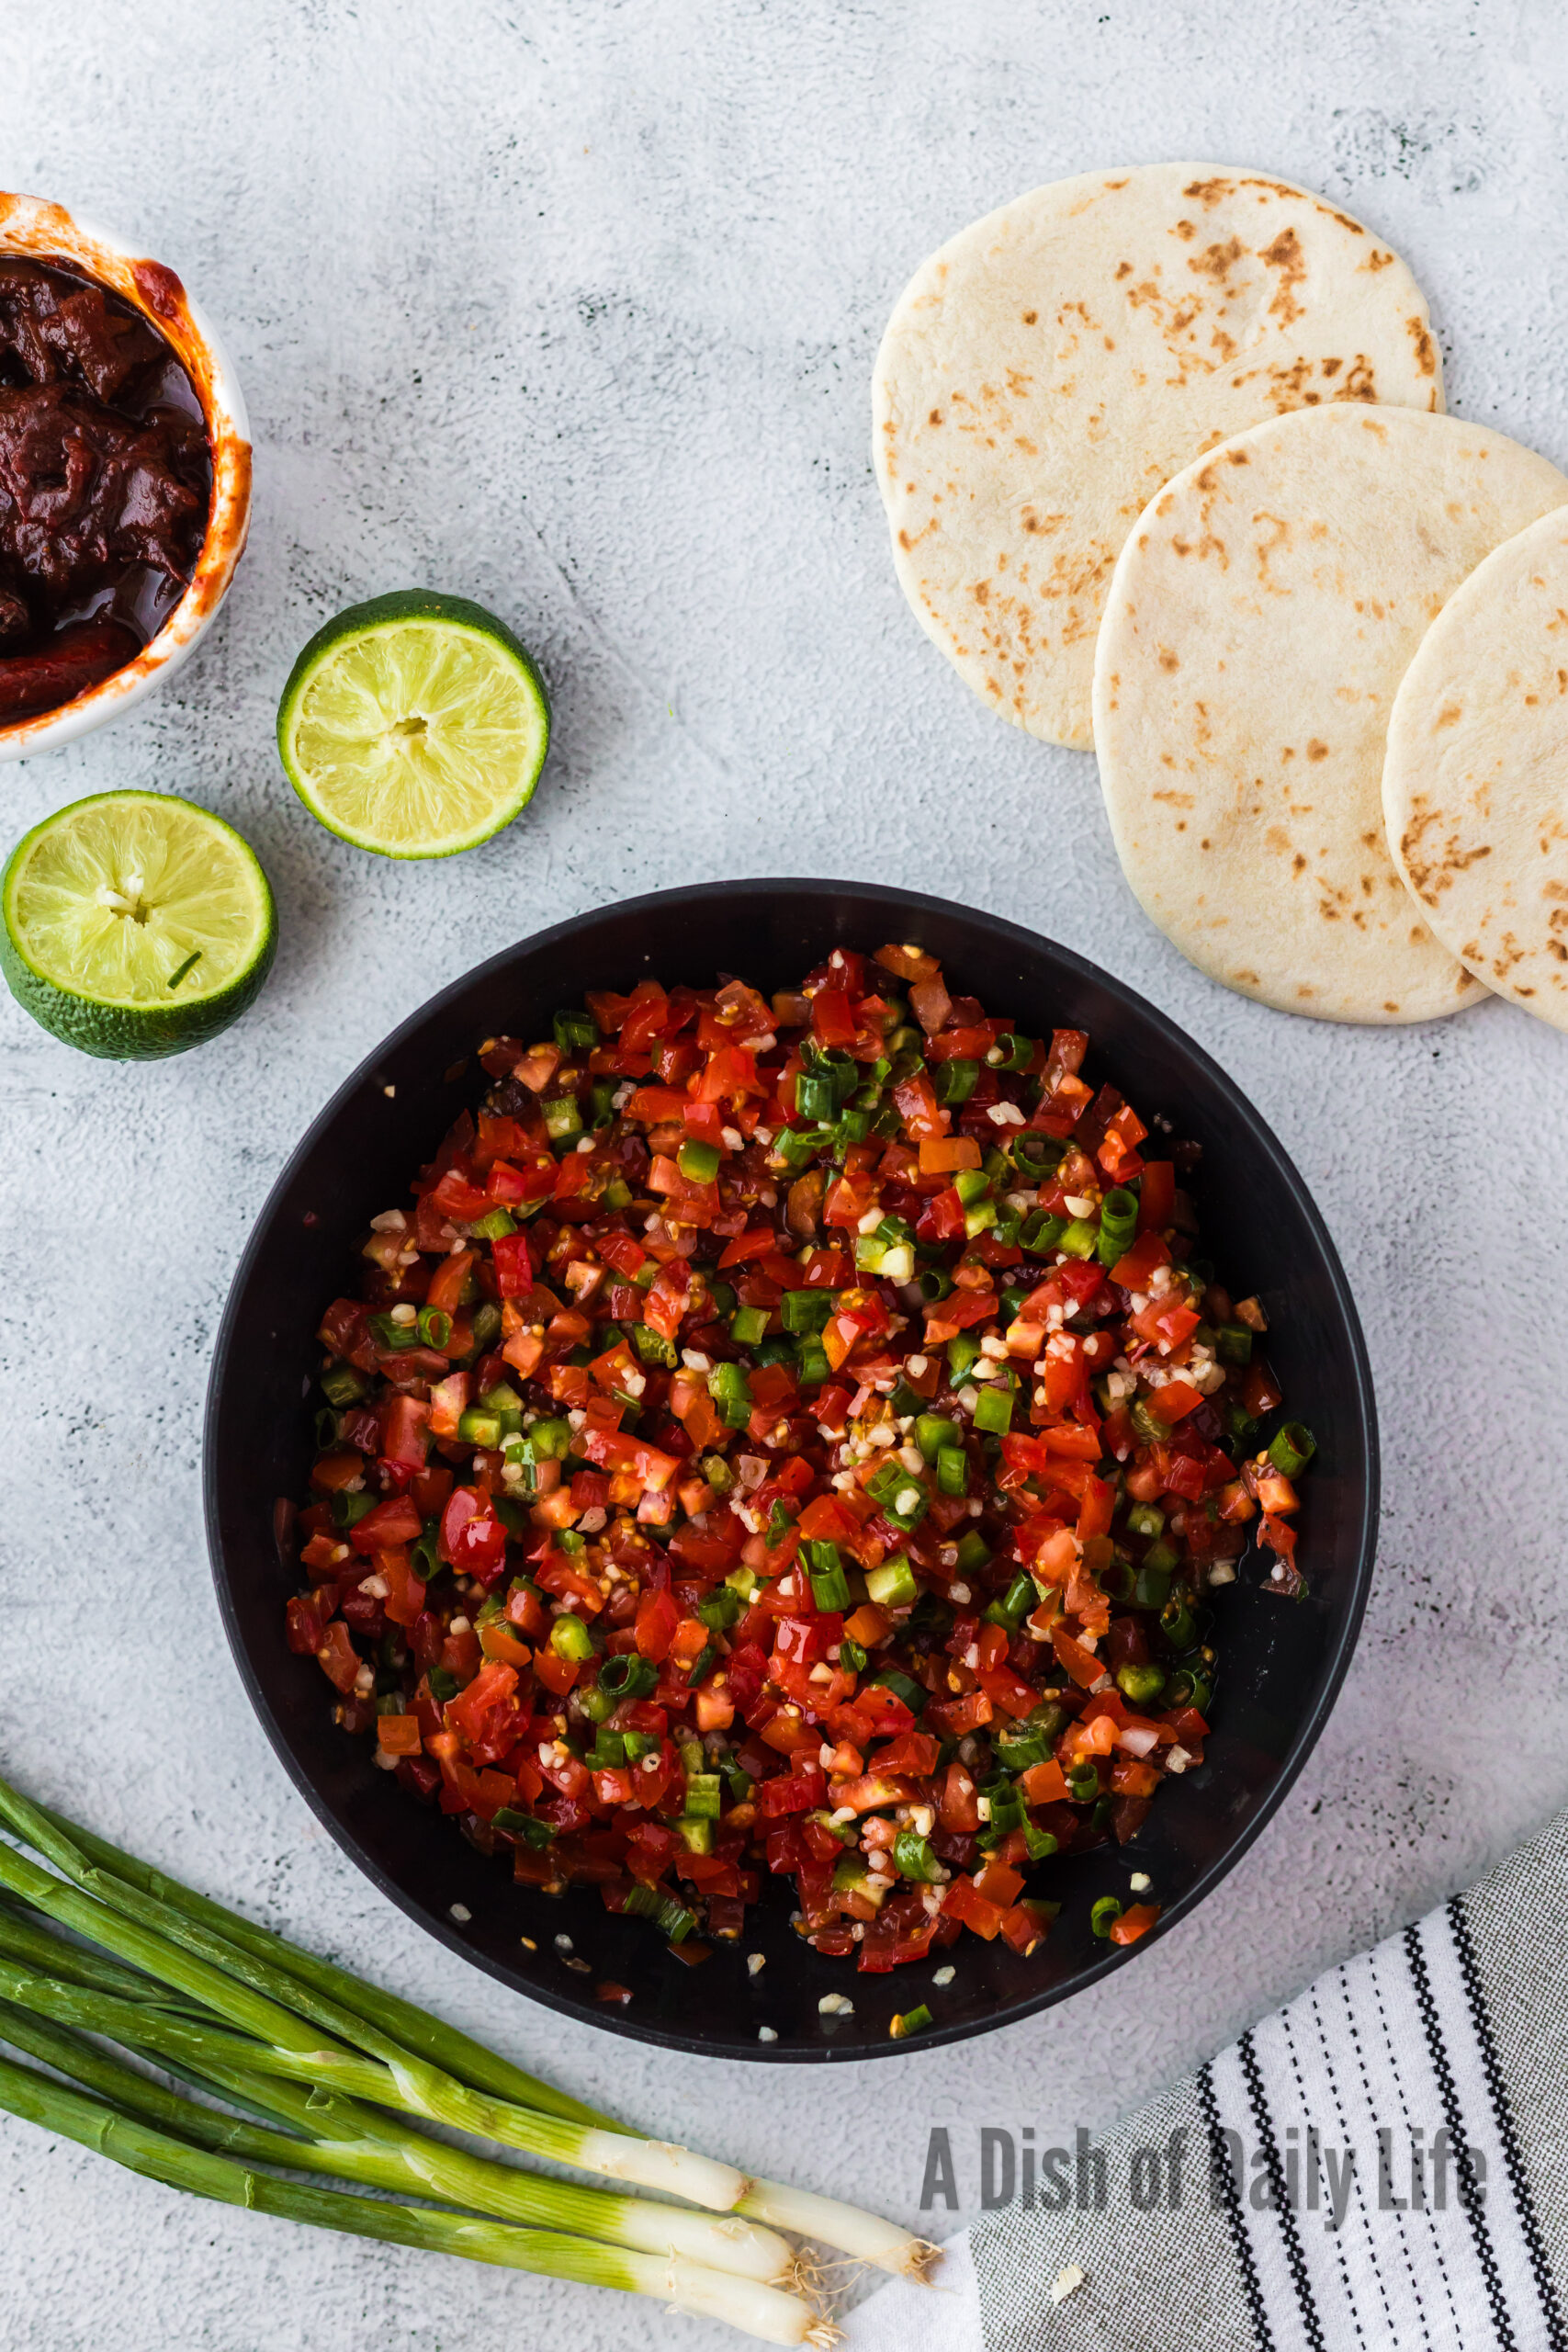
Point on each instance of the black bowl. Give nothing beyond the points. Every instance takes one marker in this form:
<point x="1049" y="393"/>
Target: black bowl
<point x="1281" y="1662"/>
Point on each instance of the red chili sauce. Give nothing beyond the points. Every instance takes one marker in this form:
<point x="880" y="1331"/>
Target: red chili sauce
<point x="106" y="476"/>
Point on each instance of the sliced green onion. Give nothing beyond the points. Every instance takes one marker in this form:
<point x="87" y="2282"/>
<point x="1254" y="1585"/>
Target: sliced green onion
<point x="1118" y="1224"/>
<point x="956" y="1079"/>
<point x="389" y="1333"/>
<point x="1104" y="1916"/>
<point x="1080" y="1238"/>
<point x="1292" y="1449"/>
<point x="748" y="1325"/>
<point x="434" y="1328"/>
<point x="1178" y="1623"/>
<point x="627" y="1675"/>
<point x="830" y="1587"/>
<point x="342" y="1385"/>
<point x="912" y="1858"/>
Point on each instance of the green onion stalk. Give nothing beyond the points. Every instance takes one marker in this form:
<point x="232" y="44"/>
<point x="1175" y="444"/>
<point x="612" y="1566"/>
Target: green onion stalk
<point x="763" y="2311"/>
<point x="383" y="2050"/>
<point x="338" y="2135"/>
<point x="829" y="2221"/>
<point x="197" y="1963"/>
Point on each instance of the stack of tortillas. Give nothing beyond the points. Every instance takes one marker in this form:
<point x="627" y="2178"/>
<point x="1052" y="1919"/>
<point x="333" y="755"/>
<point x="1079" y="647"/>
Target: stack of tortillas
<point x="1166" y="467"/>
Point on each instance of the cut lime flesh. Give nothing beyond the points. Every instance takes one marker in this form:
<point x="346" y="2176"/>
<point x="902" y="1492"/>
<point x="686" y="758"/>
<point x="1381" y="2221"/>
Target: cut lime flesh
<point x="414" y="726"/>
<point x="135" y="924"/>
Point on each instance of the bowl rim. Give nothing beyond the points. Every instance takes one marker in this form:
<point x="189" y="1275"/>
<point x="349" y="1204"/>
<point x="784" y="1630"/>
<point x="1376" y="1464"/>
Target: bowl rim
<point x="38" y="230"/>
<point x="1336" y="1663"/>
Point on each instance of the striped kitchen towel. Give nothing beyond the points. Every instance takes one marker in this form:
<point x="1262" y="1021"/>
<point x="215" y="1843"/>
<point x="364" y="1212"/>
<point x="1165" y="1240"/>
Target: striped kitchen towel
<point x="1379" y="2166"/>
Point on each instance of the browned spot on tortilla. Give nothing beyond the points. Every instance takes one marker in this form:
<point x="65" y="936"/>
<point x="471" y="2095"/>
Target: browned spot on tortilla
<point x="935" y="417"/>
<point x="1286" y="257"/>
<point x="1042" y="524"/>
<point x="1298" y="863"/>
<point x="1215" y="261"/>
<point x="1447" y="717"/>
<point x="981" y="592"/>
<point x="1029" y="317"/>
<point x="1125" y="270"/>
<point x="1361" y="383"/>
<point x="1237" y="458"/>
<point x="1168" y="660"/>
<point x="1369" y="840"/>
<point x="1376" y="260"/>
<point x="1316" y="751"/>
<point x="1390" y="1004"/>
<point x="1208" y="191"/>
<point x="1184" y="229"/>
<point x="1346" y="223"/>
<point x="1379" y="431"/>
<point x="1425" y="353"/>
<point x="1306" y="991"/>
<point x="1174" y="800"/>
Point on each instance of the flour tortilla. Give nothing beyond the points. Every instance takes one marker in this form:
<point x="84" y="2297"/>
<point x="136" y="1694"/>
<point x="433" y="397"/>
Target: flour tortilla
<point x="1260" y="619"/>
<point x="1047" y="371"/>
<point x="1475" y="783"/>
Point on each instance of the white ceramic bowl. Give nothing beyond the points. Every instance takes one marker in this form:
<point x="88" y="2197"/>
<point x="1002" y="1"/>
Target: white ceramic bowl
<point x="46" y="233"/>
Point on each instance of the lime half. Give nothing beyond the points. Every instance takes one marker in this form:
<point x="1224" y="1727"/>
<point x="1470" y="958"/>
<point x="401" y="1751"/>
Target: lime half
<point x="415" y="725"/>
<point x="135" y="924"/>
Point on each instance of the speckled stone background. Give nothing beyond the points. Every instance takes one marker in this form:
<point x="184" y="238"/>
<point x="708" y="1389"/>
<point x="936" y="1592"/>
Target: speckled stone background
<point x="571" y="306"/>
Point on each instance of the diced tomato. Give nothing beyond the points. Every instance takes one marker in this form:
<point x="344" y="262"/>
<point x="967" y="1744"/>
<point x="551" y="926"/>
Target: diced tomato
<point x="387" y="1525"/>
<point x="1135" y="1922"/>
<point x="338" y="1657"/>
<point x="472" y="1538"/>
<point x="963" y="1901"/>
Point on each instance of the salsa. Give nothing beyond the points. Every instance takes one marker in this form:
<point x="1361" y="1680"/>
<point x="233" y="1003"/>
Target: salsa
<point x="791" y="1436"/>
<point x="104" y="478"/>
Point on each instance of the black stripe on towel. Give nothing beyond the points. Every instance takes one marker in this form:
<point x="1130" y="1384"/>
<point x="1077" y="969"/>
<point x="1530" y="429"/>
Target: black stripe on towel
<point x="1219" y="2169"/>
<point x="1287" y="2219"/>
<point x="1545" y="2285"/>
<point x="1453" y="2116"/>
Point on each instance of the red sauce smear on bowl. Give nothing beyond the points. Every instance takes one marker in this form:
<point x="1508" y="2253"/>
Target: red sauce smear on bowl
<point x="106" y="476"/>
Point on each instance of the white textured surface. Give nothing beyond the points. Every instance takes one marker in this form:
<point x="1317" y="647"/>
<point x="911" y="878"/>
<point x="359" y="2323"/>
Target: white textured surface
<point x="573" y="308"/>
